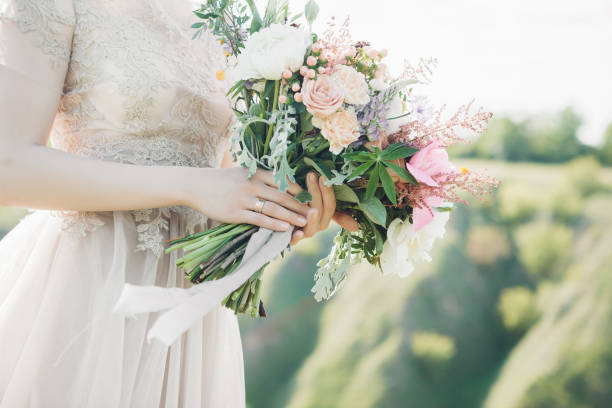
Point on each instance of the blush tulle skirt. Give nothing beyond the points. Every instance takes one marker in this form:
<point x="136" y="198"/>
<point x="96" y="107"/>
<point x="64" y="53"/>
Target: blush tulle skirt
<point x="62" y="347"/>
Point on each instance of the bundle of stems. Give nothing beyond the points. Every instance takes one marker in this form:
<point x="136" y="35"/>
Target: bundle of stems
<point x="216" y="253"/>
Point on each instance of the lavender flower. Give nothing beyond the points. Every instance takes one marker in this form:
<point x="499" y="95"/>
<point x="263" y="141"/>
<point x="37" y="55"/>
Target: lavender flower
<point x="422" y="109"/>
<point x="373" y="117"/>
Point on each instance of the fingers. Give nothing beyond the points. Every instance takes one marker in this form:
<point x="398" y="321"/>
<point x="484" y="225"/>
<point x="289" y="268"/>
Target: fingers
<point x="346" y="221"/>
<point x="316" y="211"/>
<point x="284" y="199"/>
<point x="329" y="204"/>
<point x="267" y="177"/>
<point x="262" y="220"/>
<point x="296" y="237"/>
<point x="273" y="210"/>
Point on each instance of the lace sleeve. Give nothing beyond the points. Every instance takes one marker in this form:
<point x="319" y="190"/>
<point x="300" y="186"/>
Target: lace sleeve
<point x="36" y="39"/>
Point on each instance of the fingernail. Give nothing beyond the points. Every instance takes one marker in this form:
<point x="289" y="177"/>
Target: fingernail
<point x="301" y="221"/>
<point x="284" y="226"/>
<point x="312" y="177"/>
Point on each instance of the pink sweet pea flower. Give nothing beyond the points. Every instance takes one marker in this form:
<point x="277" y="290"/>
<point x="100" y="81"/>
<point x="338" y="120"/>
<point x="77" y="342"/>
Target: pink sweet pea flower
<point x="427" y="164"/>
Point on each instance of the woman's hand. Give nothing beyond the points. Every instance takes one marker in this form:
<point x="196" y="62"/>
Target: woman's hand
<point x="322" y="210"/>
<point x="228" y="195"/>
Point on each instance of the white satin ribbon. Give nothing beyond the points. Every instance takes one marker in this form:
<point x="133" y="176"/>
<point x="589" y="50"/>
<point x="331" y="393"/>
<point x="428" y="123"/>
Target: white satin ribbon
<point x="189" y="305"/>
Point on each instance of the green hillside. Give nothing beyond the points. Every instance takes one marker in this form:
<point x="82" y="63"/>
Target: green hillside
<point x="514" y="311"/>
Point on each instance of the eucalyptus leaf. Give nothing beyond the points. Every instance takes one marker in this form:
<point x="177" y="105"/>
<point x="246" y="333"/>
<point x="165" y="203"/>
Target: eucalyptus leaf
<point x="304" y="197"/>
<point x="311" y="11"/>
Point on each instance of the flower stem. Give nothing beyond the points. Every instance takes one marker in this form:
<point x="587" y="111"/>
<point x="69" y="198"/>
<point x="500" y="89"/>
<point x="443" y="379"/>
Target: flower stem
<point x="271" y="127"/>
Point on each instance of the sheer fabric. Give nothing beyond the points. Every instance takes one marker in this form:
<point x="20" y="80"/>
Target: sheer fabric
<point x="129" y="85"/>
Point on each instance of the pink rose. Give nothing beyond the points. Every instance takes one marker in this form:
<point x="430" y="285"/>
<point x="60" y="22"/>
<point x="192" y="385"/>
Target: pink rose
<point x="353" y="83"/>
<point x="340" y="129"/>
<point x="323" y="96"/>
<point x="426" y="165"/>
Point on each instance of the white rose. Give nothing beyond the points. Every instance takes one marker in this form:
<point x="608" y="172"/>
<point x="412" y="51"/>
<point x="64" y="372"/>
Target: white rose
<point x="356" y="91"/>
<point x="404" y="246"/>
<point x="271" y="51"/>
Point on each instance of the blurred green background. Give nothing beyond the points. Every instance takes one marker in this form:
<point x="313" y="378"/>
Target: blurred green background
<point x="514" y="311"/>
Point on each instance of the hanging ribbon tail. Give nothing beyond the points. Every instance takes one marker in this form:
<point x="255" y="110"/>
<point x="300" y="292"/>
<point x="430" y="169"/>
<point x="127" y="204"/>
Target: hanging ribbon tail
<point x="187" y="306"/>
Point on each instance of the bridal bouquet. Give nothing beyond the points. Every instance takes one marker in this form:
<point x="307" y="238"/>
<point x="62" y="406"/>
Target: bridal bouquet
<point x="306" y="102"/>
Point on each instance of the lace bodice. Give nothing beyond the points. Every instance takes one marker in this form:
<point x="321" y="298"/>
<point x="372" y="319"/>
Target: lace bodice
<point x="137" y="88"/>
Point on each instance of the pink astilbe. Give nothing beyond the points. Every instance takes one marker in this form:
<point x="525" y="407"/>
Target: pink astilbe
<point x="336" y="41"/>
<point x="450" y="185"/>
<point x="444" y="132"/>
<point x="422" y="72"/>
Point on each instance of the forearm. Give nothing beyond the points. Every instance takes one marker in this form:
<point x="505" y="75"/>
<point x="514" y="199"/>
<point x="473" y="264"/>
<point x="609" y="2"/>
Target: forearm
<point x="34" y="176"/>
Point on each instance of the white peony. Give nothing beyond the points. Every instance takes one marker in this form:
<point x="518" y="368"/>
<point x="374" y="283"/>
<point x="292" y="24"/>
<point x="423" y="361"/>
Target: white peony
<point x="271" y="51"/>
<point x="404" y="246"/>
<point x="397" y="108"/>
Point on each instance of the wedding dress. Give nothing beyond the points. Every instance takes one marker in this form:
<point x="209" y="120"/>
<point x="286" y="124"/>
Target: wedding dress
<point x="133" y="87"/>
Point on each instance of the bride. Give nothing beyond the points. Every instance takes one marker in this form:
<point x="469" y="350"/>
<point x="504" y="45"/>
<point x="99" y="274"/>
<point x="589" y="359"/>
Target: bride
<point x="138" y="126"/>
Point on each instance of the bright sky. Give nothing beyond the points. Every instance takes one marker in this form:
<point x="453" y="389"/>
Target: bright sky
<point x="514" y="57"/>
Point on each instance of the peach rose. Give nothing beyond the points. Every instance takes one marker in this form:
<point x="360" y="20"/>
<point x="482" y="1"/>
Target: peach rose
<point x="355" y="87"/>
<point x="340" y="129"/>
<point x="323" y="96"/>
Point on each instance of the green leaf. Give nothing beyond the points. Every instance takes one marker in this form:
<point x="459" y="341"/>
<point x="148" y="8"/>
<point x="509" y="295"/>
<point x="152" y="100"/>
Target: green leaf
<point x="375" y="211"/>
<point x="304" y="197"/>
<point x="197" y="25"/>
<point x="345" y="193"/>
<point x="443" y="209"/>
<point x="320" y="167"/>
<point x="388" y="185"/>
<point x="256" y="22"/>
<point x="311" y="11"/>
<point x="373" y="183"/>
<point x="402" y="172"/>
<point x="360" y="170"/>
<point x="397" y="151"/>
<point x="379" y="241"/>
<point x="359" y="156"/>
<point x="306" y="121"/>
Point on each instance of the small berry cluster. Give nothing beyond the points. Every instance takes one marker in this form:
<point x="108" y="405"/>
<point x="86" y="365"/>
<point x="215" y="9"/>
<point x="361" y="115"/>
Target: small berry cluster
<point x="316" y="64"/>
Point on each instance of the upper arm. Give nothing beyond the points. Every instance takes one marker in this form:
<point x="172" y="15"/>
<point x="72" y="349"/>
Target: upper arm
<point x="35" y="47"/>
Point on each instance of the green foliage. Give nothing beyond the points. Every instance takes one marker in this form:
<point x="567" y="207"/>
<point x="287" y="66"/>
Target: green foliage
<point x="583" y="174"/>
<point x="517" y="308"/>
<point x="433" y="350"/>
<point x="518" y="202"/>
<point x="566" y="203"/>
<point x="540" y="139"/>
<point x="605" y="152"/>
<point x="487" y="244"/>
<point x="544" y="247"/>
<point x="584" y="380"/>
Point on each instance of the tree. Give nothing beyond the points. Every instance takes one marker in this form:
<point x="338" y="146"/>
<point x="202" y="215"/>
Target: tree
<point x="605" y="153"/>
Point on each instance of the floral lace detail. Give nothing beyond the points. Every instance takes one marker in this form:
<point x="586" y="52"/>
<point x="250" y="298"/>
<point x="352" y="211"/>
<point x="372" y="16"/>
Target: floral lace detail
<point x="78" y="222"/>
<point x="46" y="22"/>
<point x="152" y="224"/>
